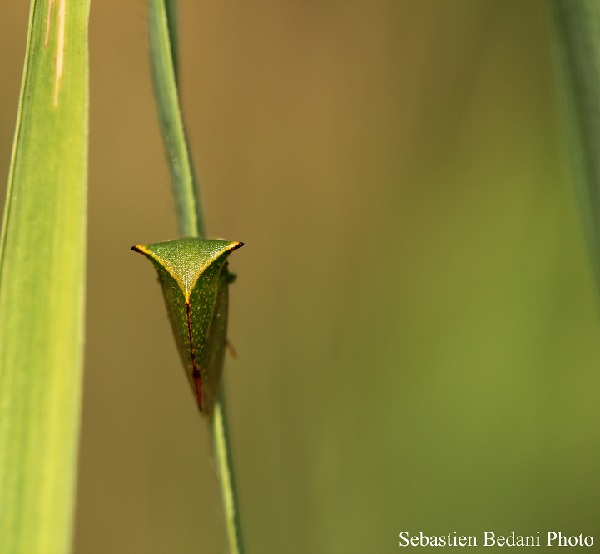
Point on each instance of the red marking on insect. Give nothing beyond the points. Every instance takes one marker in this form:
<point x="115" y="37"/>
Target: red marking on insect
<point x="196" y="375"/>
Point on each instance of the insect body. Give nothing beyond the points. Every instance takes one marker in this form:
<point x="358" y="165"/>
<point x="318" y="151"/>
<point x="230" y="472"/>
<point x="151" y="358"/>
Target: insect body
<point x="195" y="283"/>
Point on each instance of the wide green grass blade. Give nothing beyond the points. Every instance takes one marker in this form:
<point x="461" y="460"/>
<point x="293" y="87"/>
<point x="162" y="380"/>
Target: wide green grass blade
<point x="42" y="270"/>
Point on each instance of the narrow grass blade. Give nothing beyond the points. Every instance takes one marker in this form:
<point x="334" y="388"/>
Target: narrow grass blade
<point x="577" y="25"/>
<point x="162" y="34"/>
<point x="163" y="50"/>
<point x="42" y="270"/>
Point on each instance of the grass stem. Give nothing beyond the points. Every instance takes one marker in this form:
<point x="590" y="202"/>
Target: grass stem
<point x="162" y="55"/>
<point x="163" y="50"/>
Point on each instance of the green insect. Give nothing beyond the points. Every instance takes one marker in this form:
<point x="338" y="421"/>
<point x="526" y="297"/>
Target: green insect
<point x="195" y="283"/>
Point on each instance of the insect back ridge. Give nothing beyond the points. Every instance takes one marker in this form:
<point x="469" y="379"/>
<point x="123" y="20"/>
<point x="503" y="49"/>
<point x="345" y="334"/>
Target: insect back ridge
<point x="194" y="281"/>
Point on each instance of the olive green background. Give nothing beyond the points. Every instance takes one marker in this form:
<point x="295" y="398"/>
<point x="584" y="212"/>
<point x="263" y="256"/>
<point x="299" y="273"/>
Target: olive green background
<point x="415" y="316"/>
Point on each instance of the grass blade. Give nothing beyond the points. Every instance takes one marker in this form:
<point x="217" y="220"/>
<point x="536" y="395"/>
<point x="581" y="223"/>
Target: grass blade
<point x="577" y="24"/>
<point x="42" y="270"/>
<point x="163" y="50"/>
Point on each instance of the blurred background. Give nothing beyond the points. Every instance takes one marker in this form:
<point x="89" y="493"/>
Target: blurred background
<point x="415" y="315"/>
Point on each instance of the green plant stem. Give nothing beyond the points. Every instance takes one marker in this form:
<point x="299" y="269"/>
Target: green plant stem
<point x="577" y="53"/>
<point x="224" y="462"/>
<point x="190" y="222"/>
<point x="187" y="204"/>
